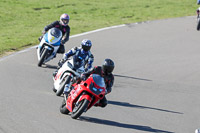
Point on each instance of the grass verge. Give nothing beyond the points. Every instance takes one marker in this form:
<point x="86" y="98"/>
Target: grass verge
<point x="21" y="21"/>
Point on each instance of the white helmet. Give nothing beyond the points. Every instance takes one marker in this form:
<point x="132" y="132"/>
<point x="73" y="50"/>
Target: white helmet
<point x="64" y="19"/>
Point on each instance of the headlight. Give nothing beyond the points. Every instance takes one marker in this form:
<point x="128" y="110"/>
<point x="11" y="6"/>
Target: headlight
<point x="96" y="91"/>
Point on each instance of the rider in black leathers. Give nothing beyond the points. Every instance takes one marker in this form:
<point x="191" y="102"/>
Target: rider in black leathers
<point x="106" y="72"/>
<point x="63" y="26"/>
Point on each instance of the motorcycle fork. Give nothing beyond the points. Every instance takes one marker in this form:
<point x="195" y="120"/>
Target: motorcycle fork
<point x="88" y="105"/>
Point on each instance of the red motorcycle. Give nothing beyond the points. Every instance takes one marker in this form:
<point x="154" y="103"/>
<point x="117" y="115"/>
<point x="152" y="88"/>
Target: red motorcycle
<point x="84" y="96"/>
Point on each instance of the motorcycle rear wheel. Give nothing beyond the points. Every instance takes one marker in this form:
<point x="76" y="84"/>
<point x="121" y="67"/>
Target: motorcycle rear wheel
<point x="80" y="108"/>
<point x="63" y="108"/>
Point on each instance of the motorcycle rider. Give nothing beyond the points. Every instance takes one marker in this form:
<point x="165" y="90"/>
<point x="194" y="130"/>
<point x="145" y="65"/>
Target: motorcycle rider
<point x="106" y="72"/>
<point x="83" y="51"/>
<point x="63" y="26"/>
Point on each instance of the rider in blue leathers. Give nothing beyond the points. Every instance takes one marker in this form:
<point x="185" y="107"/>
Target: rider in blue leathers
<point x="83" y="51"/>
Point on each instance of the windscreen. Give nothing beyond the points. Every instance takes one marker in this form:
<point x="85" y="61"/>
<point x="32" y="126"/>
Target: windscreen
<point x="98" y="80"/>
<point x="55" y="32"/>
<point x="78" y="61"/>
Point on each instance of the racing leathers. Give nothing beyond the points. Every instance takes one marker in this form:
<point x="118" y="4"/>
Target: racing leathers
<point x="78" y="51"/>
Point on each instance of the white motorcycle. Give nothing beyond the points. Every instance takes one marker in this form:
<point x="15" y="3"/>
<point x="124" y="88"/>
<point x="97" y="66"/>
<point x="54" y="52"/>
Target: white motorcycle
<point x="68" y="73"/>
<point x="49" y="46"/>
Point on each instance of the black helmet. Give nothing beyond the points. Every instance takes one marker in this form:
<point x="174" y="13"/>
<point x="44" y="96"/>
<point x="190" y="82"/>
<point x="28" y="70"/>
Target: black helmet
<point x="86" y="44"/>
<point x="108" y="66"/>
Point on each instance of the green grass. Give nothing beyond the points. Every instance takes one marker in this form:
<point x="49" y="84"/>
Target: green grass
<point x="21" y="21"/>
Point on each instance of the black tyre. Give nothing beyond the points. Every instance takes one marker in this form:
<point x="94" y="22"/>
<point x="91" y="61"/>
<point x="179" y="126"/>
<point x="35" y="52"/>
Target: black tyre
<point x="65" y="81"/>
<point x="80" y="108"/>
<point x="198" y="23"/>
<point x="63" y="108"/>
<point x="54" y="90"/>
<point x="44" y="54"/>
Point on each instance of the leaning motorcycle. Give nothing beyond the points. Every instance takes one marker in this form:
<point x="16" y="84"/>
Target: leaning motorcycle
<point x="49" y="46"/>
<point x="68" y="73"/>
<point x="84" y="96"/>
<point x="198" y="18"/>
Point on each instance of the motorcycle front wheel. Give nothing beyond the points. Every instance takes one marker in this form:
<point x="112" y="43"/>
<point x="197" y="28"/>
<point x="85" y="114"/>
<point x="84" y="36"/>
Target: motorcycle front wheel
<point x="80" y="108"/>
<point x="44" y="54"/>
<point x="65" y="81"/>
<point x="198" y="23"/>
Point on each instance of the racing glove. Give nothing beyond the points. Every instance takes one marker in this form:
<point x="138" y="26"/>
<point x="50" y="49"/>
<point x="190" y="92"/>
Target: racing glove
<point x="61" y="62"/>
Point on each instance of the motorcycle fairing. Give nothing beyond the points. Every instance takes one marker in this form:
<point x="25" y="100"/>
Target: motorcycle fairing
<point x="82" y="91"/>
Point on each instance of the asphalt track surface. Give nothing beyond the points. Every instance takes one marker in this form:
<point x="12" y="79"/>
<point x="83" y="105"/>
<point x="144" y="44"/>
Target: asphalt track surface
<point x="156" y="85"/>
